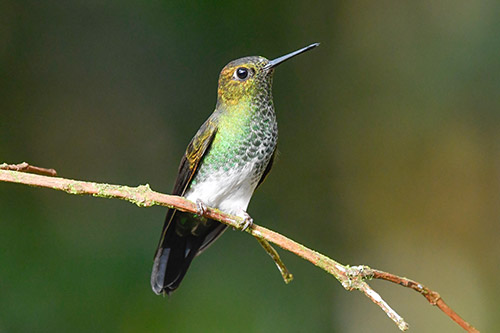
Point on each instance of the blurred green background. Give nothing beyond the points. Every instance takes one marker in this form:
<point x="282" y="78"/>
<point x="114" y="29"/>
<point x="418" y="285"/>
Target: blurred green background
<point x="389" y="156"/>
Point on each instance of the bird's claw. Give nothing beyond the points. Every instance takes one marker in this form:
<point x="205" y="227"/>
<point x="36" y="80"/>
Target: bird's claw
<point x="201" y="208"/>
<point x="247" y="221"/>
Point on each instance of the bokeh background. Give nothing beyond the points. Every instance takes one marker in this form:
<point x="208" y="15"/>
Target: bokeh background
<point x="389" y="156"/>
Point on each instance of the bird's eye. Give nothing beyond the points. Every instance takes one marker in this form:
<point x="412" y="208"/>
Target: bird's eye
<point x="242" y="73"/>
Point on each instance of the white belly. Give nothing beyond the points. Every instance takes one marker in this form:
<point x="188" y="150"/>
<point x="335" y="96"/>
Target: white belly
<point x="229" y="191"/>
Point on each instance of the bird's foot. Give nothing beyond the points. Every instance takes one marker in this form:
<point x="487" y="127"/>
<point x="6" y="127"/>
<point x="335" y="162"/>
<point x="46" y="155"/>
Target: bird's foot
<point x="201" y="208"/>
<point x="247" y="221"/>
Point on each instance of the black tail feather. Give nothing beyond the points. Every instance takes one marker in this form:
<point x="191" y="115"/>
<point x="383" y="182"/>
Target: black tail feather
<point x="178" y="247"/>
<point x="172" y="260"/>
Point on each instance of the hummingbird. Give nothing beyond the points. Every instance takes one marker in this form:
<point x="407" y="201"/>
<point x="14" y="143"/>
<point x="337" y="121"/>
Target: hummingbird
<point x="227" y="159"/>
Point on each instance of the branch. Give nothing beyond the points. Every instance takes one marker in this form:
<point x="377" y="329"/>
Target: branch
<point x="351" y="278"/>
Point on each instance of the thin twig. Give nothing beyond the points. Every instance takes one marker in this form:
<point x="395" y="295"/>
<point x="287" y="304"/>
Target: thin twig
<point x="375" y="297"/>
<point x="25" y="167"/>
<point x="285" y="273"/>
<point x="433" y="297"/>
<point x="351" y="278"/>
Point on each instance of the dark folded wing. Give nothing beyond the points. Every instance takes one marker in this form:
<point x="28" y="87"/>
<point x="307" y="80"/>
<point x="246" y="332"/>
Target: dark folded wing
<point x="190" y="162"/>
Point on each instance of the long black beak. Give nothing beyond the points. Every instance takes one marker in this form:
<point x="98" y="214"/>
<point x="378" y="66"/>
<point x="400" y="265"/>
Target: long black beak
<point x="275" y="62"/>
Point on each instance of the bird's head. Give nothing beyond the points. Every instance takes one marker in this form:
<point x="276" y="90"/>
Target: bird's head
<point x="250" y="77"/>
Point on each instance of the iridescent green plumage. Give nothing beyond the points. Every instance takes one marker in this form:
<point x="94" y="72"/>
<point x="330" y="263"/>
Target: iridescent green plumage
<point x="227" y="159"/>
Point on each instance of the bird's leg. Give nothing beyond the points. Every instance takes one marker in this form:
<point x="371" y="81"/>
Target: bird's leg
<point x="247" y="221"/>
<point x="201" y="208"/>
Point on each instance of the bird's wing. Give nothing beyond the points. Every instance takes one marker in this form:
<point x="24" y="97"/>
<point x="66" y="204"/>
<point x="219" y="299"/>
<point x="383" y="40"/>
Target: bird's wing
<point x="268" y="168"/>
<point x="194" y="154"/>
<point x="190" y="162"/>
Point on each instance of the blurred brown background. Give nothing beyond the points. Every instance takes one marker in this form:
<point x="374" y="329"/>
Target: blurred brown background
<point x="389" y="156"/>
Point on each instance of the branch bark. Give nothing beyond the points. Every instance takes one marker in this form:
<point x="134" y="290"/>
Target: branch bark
<point x="351" y="278"/>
